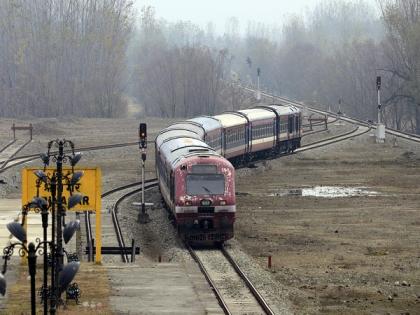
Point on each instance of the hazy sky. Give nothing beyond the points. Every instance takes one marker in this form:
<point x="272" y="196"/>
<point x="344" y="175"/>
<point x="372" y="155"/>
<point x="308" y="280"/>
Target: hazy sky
<point x="200" y="12"/>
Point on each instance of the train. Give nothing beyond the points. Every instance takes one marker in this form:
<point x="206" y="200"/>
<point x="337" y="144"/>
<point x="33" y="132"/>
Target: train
<point x="196" y="160"/>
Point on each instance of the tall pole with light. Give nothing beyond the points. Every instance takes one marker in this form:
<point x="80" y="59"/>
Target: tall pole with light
<point x="54" y="184"/>
<point x="39" y="204"/>
<point x="380" y="130"/>
<point x="18" y="231"/>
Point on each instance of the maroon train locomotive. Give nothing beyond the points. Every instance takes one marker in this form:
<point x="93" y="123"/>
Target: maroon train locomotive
<point x="197" y="185"/>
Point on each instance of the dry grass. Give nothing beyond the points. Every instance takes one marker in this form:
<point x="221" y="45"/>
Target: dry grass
<point x="92" y="280"/>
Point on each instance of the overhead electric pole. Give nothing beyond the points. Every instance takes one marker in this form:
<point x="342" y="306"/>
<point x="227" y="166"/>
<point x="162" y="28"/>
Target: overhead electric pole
<point x="258" y="96"/>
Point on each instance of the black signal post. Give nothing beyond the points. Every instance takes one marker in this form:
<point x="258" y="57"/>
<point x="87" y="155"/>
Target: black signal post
<point x="143" y="216"/>
<point x="143" y="136"/>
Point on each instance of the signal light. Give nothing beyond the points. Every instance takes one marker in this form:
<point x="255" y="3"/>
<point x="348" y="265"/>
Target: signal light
<point x="378" y="82"/>
<point x="143" y="136"/>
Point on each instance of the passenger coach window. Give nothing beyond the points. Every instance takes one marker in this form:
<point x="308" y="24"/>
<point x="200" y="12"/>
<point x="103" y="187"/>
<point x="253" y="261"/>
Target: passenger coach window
<point x="283" y="126"/>
<point x="262" y="131"/>
<point x="205" y="184"/>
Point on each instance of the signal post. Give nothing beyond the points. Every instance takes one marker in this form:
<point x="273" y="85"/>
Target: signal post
<point x="143" y="215"/>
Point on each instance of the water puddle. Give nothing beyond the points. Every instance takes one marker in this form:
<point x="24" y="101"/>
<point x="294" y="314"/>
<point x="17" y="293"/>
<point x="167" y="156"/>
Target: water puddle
<point x="326" y="192"/>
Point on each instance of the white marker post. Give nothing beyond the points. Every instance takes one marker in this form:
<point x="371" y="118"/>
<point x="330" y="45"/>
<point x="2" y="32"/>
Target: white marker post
<point x="380" y="130"/>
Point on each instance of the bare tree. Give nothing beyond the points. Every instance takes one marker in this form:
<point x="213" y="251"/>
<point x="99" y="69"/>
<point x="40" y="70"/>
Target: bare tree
<point x="402" y="50"/>
<point x="63" y="57"/>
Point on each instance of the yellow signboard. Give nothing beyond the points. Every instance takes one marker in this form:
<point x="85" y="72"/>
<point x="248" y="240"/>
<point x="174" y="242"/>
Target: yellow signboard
<point x="89" y="186"/>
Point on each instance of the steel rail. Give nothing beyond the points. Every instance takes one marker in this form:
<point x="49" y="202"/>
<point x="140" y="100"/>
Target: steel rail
<point x="118" y="232"/>
<point x="90" y="148"/>
<point x="209" y="281"/>
<point x="332" y="138"/>
<point x="263" y="303"/>
<point x="7" y="145"/>
<point x="328" y="141"/>
<point x="32" y="157"/>
<point x="114" y="190"/>
<point x="394" y="132"/>
<point x="11" y="158"/>
<point x="5" y="168"/>
<point x="117" y="228"/>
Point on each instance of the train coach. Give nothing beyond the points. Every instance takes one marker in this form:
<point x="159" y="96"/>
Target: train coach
<point x="194" y="163"/>
<point x="246" y="135"/>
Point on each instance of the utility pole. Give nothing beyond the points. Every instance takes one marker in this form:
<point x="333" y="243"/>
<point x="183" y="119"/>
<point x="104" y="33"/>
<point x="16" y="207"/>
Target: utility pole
<point x="380" y="130"/>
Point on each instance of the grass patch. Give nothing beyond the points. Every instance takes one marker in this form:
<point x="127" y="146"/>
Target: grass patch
<point x="92" y="281"/>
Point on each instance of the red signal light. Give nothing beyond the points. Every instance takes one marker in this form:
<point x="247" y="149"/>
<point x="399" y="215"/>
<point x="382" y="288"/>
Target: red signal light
<point x="143" y="136"/>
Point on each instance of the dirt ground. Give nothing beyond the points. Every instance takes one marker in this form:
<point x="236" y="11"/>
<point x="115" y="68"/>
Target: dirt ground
<point x="351" y="255"/>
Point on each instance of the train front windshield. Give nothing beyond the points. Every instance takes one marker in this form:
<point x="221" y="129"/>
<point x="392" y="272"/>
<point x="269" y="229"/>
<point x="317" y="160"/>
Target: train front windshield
<point x="205" y="184"/>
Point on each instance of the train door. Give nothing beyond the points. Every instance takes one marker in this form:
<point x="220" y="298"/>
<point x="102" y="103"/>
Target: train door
<point x="248" y="137"/>
<point x="300" y="125"/>
<point x="274" y="133"/>
<point x="290" y="126"/>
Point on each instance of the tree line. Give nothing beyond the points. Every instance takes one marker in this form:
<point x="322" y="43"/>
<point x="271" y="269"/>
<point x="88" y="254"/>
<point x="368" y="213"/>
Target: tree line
<point x="82" y="57"/>
<point x="328" y="58"/>
<point x="175" y="72"/>
<point x="63" y="57"/>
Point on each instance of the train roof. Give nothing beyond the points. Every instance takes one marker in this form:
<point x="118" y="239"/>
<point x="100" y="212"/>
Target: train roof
<point x="284" y="109"/>
<point x="258" y="113"/>
<point x="170" y="134"/>
<point x="176" y="149"/>
<point x="231" y="119"/>
<point x="188" y="125"/>
<point x="209" y="123"/>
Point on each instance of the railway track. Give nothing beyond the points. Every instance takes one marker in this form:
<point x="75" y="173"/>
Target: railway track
<point x="22" y="159"/>
<point x="234" y="291"/>
<point x="7" y="145"/>
<point x="394" y="132"/>
<point x="358" y="131"/>
<point x="9" y="151"/>
<point x="111" y="229"/>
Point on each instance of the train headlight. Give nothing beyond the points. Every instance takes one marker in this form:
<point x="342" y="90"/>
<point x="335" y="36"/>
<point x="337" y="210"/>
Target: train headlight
<point x="205" y="202"/>
<point x="223" y="202"/>
<point x="188" y="203"/>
